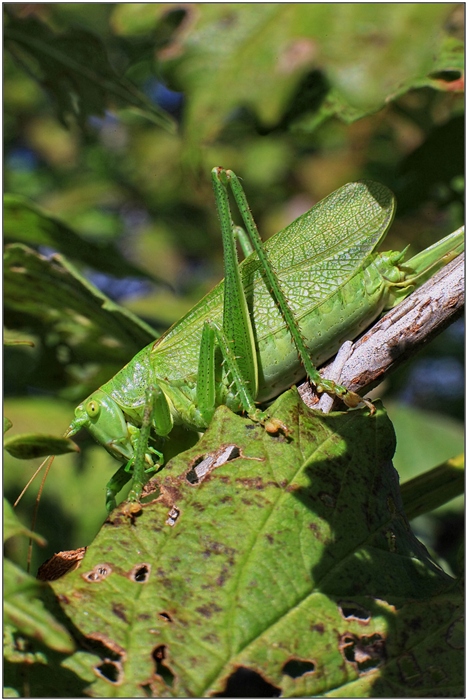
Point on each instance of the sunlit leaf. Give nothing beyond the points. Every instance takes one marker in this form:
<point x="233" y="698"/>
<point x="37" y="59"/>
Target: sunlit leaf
<point x="228" y="56"/>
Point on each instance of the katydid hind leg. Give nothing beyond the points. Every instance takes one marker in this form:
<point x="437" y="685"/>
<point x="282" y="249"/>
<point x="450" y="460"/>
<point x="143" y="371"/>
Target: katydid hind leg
<point x="350" y="398"/>
<point x="237" y="328"/>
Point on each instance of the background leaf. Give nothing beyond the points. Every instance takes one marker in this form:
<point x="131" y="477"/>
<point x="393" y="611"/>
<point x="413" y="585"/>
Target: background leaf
<point x="25" y="222"/>
<point x="52" y="299"/>
<point x="34" y="445"/>
<point x="12" y="525"/>
<point x="361" y="55"/>
<point x="26" y="612"/>
<point x="74" y="68"/>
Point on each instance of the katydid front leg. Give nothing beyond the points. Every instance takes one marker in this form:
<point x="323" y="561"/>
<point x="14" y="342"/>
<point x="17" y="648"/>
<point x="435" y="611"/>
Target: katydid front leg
<point x="156" y="412"/>
<point x="221" y="179"/>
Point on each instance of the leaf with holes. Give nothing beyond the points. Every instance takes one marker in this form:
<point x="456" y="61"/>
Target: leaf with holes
<point x="281" y="563"/>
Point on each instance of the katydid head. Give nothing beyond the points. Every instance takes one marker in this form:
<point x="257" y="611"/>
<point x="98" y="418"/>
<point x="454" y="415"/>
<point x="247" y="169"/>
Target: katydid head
<point x="104" y="419"/>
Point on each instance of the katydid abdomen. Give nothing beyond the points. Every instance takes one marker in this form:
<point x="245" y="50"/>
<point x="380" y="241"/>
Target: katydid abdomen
<point x="318" y="284"/>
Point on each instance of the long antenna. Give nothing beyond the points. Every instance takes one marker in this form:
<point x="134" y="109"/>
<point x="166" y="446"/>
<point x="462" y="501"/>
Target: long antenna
<point x="50" y="460"/>
<point x="36" y="508"/>
<point x="51" y="457"/>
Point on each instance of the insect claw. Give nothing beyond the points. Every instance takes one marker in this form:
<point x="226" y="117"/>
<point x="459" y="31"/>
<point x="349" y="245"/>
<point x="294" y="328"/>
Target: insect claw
<point x="370" y="405"/>
<point x="352" y="400"/>
<point x="273" y="426"/>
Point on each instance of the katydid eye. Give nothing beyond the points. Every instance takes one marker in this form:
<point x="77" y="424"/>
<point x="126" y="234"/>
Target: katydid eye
<point x="92" y="409"/>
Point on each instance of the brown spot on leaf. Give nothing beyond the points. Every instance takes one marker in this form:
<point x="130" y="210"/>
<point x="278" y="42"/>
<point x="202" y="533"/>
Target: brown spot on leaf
<point x="208" y="611"/>
<point x="223" y="576"/>
<point x="63" y="599"/>
<point x="170" y="494"/>
<point x="119" y="610"/>
<point x="255" y="483"/>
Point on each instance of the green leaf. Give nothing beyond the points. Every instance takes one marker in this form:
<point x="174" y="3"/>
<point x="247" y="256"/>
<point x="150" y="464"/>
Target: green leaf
<point x="13" y="343"/>
<point x="6" y="424"/>
<point x="12" y="526"/>
<point x="52" y="299"/>
<point x="391" y="48"/>
<point x="448" y="71"/>
<point x="434" y="488"/>
<point x="36" y="646"/>
<point x="74" y="68"/>
<point x="25" y="222"/>
<point x="256" y="56"/>
<point x="24" y="610"/>
<point x="290" y="557"/>
<point x="424" y="439"/>
<point x="30" y="446"/>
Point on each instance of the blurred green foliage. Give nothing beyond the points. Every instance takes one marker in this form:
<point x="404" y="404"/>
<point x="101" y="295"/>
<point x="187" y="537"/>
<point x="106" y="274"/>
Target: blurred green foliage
<point x="115" y="115"/>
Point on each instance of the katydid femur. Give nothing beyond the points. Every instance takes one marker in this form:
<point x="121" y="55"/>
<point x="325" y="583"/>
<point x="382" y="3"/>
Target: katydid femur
<point x="286" y="308"/>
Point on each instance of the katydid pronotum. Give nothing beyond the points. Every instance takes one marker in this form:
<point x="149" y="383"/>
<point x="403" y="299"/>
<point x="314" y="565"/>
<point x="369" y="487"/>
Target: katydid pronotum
<point x="286" y="308"/>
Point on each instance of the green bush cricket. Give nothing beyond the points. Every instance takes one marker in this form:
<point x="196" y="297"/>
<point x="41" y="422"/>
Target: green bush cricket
<point x="304" y="292"/>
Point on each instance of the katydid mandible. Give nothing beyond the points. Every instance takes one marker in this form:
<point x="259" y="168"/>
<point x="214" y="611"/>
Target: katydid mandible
<point x="286" y="308"/>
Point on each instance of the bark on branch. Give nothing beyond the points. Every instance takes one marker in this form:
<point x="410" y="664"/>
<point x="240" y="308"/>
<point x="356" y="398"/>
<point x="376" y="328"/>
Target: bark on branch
<point x="400" y="333"/>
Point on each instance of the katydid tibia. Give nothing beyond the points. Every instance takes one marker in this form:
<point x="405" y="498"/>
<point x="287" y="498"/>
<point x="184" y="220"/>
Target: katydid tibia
<point x="291" y="303"/>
